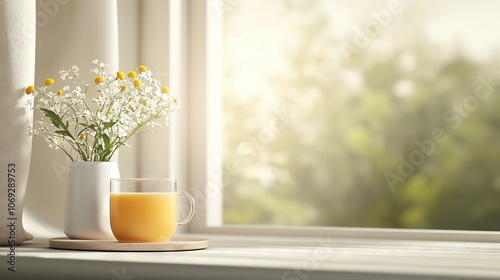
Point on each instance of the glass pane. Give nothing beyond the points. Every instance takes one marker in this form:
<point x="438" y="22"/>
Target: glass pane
<point x="362" y="113"/>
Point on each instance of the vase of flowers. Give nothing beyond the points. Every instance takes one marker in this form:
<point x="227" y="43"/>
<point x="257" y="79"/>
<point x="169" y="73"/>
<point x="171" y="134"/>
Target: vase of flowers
<point x="89" y="122"/>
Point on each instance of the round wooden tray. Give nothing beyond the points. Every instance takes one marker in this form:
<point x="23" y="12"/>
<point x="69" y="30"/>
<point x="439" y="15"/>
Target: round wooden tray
<point x="177" y="243"/>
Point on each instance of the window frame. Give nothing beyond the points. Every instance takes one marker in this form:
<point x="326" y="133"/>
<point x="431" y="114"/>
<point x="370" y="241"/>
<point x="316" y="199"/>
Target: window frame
<point x="204" y="175"/>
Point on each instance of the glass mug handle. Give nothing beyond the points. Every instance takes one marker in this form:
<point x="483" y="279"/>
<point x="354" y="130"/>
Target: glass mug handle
<point x="191" y="210"/>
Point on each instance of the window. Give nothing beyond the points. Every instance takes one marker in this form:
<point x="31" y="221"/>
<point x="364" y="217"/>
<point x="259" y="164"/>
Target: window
<point x="358" y="114"/>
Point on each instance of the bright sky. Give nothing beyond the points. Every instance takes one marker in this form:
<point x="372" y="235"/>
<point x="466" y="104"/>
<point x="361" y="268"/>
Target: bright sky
<point x="260" y="35"/>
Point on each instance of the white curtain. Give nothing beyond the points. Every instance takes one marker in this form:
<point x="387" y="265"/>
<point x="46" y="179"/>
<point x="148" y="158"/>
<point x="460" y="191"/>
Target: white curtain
<point x="17" y="68"/>
<point x="123" y="34"/>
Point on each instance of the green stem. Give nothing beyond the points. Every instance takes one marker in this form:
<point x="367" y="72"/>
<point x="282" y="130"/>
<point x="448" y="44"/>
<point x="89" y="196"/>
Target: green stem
<point x="65" y="152"/>
<point x="136" y="129"/>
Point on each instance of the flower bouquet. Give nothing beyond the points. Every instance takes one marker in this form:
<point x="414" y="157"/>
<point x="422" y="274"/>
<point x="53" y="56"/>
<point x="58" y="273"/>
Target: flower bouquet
<point x="93" y="128"/>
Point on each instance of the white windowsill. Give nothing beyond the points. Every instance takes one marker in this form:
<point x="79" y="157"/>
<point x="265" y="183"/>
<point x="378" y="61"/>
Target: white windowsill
<point x="244" y="257"/>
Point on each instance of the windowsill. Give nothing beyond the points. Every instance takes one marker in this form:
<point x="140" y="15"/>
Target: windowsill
<point x="244" y="257"/>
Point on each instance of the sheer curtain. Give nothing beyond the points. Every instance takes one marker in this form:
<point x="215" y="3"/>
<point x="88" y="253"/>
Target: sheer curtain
<point x="123" y="34"/>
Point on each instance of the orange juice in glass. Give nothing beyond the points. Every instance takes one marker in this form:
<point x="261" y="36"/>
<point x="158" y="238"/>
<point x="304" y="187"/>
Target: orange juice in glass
<point x="145" y="209"/>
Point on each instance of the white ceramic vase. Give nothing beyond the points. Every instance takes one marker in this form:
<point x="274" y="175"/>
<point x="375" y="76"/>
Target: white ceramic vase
<point x="87" y="200"/>
<point x="17" y="71"/>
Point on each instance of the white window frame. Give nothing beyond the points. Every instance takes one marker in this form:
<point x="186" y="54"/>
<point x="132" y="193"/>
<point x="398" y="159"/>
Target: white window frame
<point x="204" y="149"/>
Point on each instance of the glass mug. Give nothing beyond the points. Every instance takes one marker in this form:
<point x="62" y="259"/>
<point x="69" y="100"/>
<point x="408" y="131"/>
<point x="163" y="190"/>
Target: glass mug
<point x="145" y="209"/>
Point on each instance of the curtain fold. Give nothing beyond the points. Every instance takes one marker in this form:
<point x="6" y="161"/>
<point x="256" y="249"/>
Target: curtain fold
<point x="17" y="55"/>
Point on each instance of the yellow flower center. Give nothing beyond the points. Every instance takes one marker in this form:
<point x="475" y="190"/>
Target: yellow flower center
<point x="59" y="92"/>
<point x="120" y="75"/>
<point x="48" y="82"/>
<point x="132" y="74"/>
<point x="98" y="80"/>
<point x="30" y="90"/>
<point x="110" y="112"/>
<point x="123" y="87"/>
<point x="165" y="89"/>
<point x="83" y="136"/>
<point x="142" y="68"/>
<point x="176" y="101"/>
<point x="137" y="83"/>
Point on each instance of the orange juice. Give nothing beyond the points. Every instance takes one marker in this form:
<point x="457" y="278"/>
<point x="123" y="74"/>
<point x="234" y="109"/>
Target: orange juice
<point x="143" y="217"/>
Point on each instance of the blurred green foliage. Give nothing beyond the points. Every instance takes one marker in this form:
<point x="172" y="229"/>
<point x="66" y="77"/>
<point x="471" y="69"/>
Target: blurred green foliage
<point x="322" y="154"/>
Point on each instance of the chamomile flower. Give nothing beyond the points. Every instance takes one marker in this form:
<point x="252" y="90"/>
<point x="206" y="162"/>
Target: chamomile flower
<point x="30" y="89"/>
<point x="48" y="82"/>
<point x="132" y="74"/>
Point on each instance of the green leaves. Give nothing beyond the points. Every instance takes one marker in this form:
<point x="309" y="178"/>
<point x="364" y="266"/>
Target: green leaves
<point x="107" y="125"/>
<point x="57" y="122"/>
<point x="64" y="133"/>
<point x="54" y="118"/>
<point x="107" y="149"/>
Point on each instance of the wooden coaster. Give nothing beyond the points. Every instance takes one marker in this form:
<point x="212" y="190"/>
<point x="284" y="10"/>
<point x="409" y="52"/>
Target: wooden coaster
<point x="177" y="243"/>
